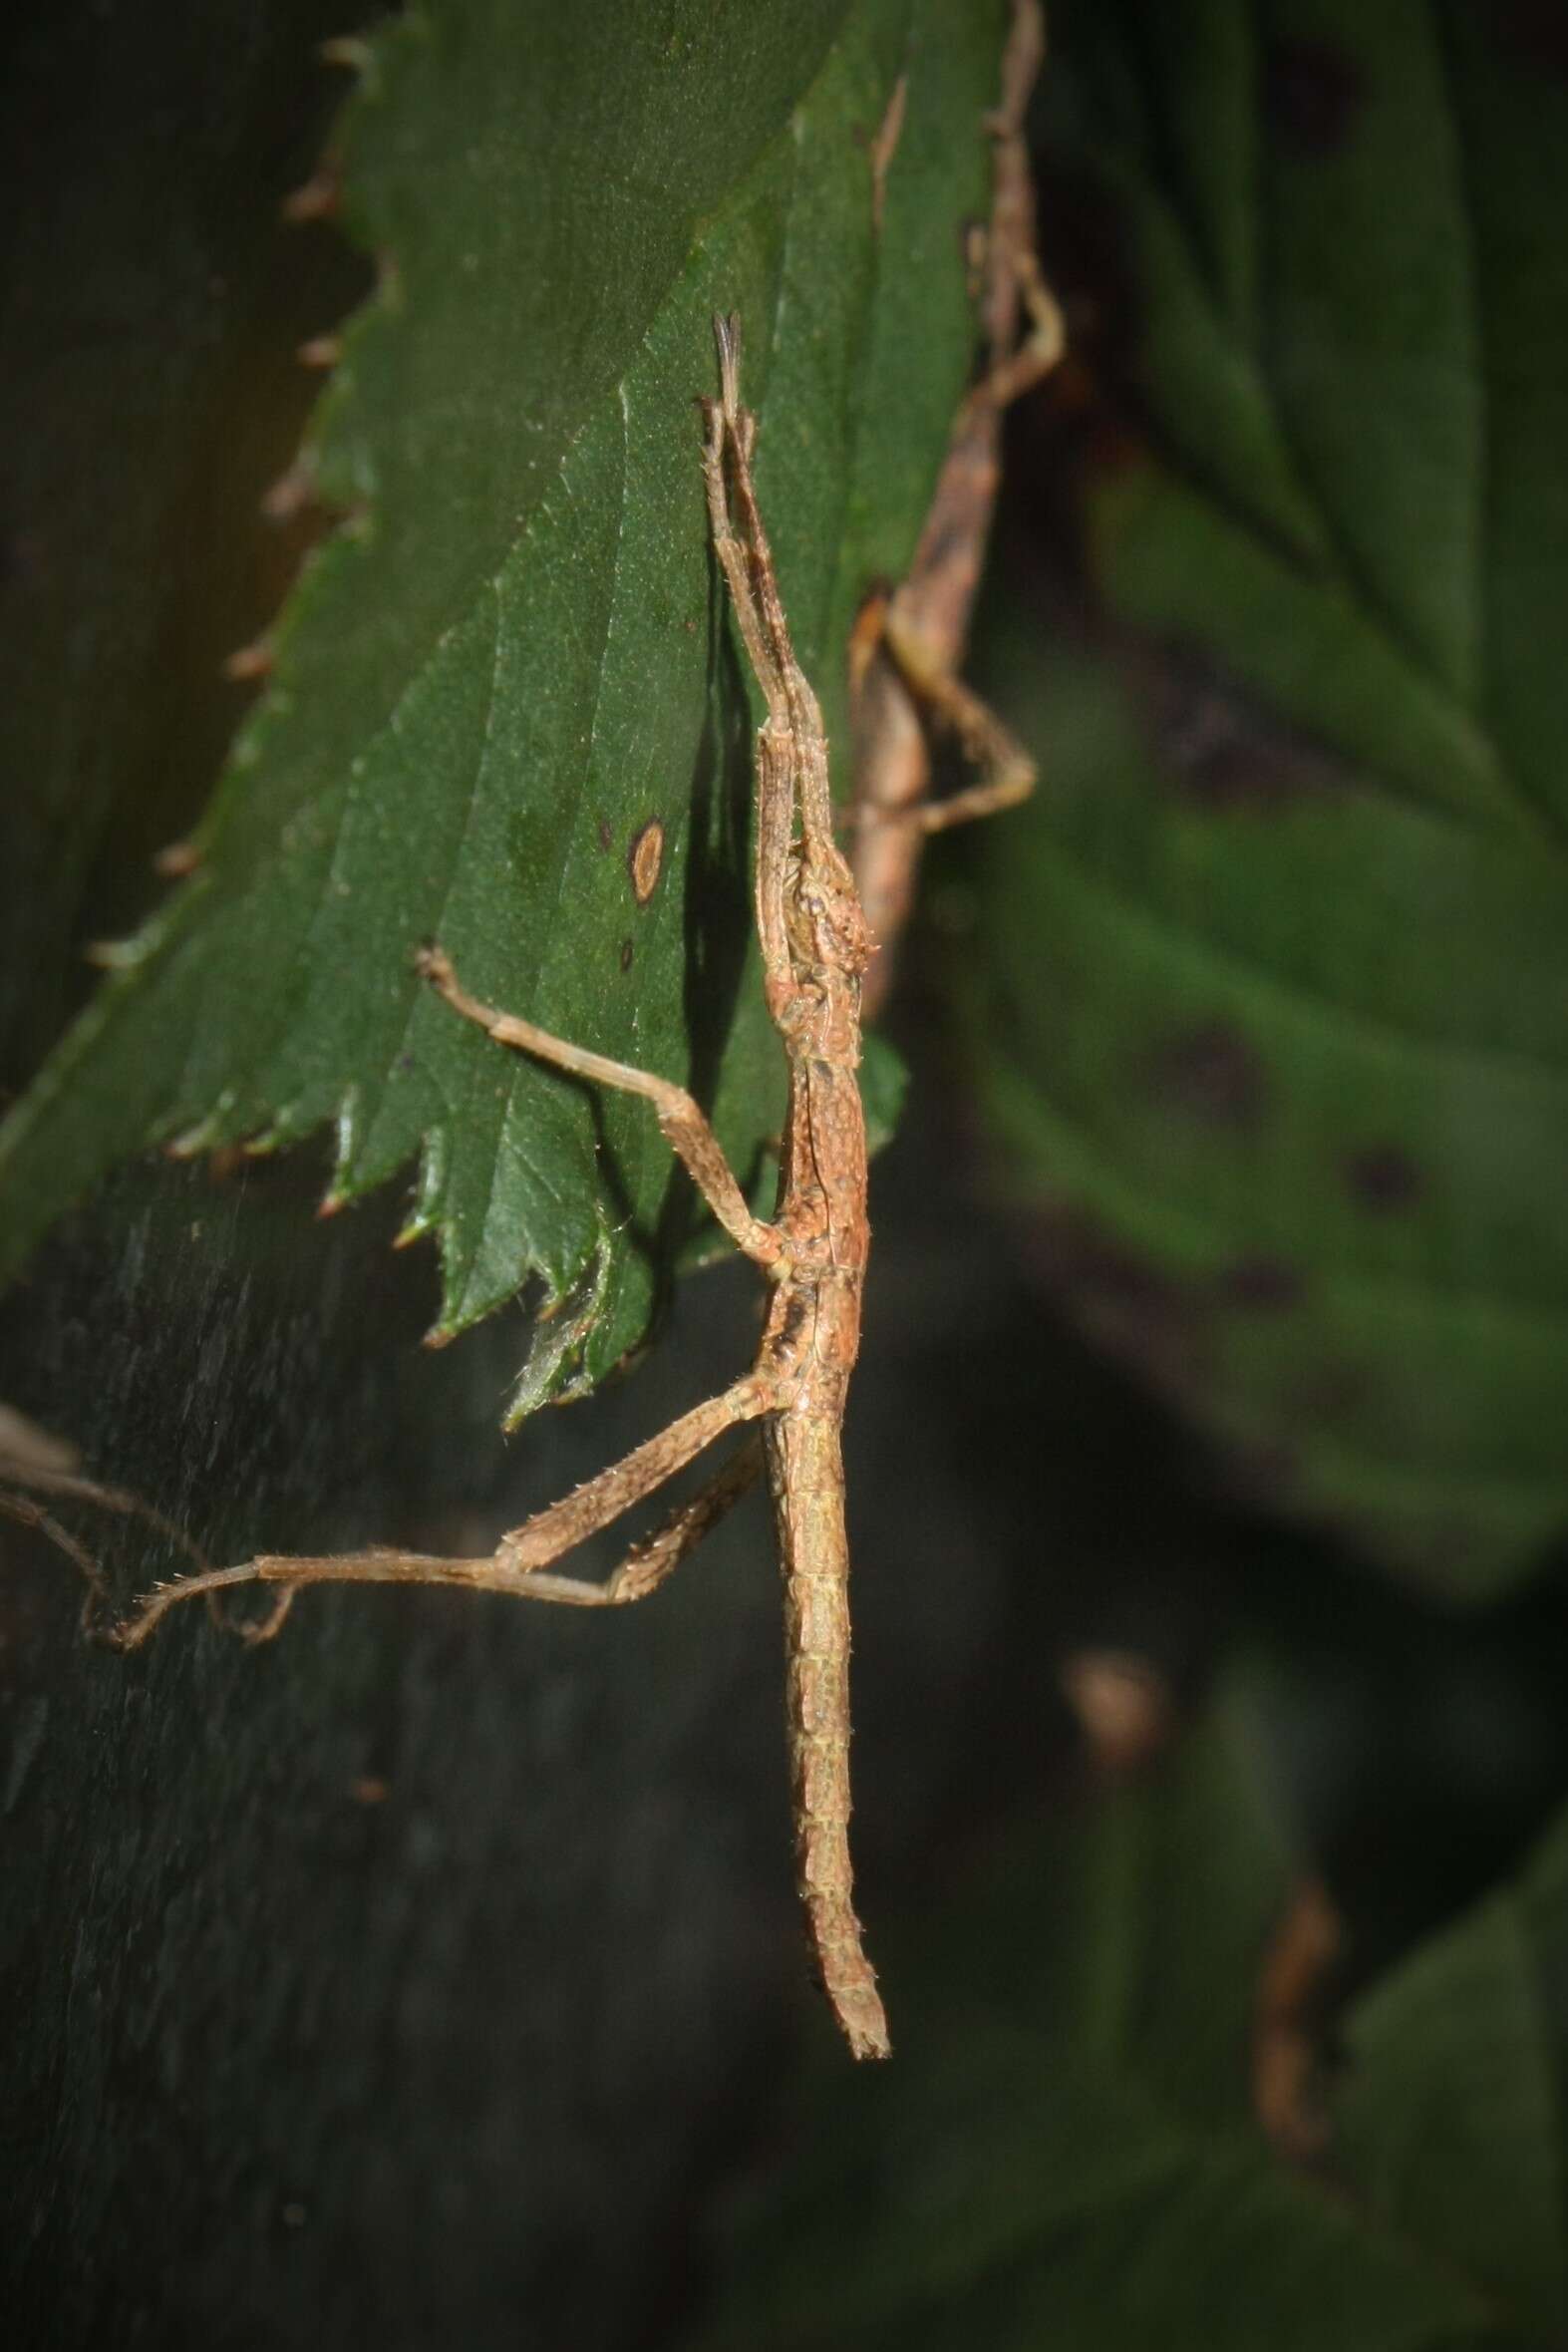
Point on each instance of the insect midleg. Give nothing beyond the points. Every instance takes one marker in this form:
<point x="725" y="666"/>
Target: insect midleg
<point x="513" y="1566"/>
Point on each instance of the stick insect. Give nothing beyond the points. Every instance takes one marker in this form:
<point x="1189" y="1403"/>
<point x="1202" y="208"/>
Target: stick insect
<point x="816" y="944"/>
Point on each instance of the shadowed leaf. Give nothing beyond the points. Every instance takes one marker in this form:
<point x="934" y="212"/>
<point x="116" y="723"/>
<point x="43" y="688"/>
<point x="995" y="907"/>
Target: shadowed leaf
<point x="1063" y="2151"/>
<point x="1281" y="950"/>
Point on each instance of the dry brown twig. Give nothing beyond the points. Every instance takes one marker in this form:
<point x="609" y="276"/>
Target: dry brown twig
<point x="1288" y="2026"/>
<point x="815" y="945"/>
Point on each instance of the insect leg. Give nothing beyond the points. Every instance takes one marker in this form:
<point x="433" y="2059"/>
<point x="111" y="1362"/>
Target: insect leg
<point x="682" y="1122"/>
<point x="513" y="1566"/>
<point x="1006" y="772"/>
<point x="656" y="1557"/>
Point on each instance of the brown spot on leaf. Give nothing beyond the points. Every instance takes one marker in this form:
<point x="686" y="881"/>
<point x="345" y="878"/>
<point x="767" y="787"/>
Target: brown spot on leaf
<point x="1312" y="94"/>
<point x="1383" y="1179"/>
<point x="626" y="955"/>
<point x="644" y="860"/>
<point x="1212" y="1073"/>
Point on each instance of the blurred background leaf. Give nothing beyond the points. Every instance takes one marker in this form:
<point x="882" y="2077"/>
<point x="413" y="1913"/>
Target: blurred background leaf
<point x="1280" y="953"/>
<point x="1065" y="2150"/>
<point x="1451" y="2114"/>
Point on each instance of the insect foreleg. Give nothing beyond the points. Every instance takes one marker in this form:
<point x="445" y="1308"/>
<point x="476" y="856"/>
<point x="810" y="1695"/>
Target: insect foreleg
<point x="681" y="1122"/>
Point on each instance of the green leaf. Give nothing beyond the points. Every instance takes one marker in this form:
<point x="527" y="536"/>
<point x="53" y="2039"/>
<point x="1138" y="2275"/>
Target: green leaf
<point x="513" y="659"/>
<point x="1281" y="950"/>
<point x="1454" y="2114"/>
<point x="1062" y="2152"/>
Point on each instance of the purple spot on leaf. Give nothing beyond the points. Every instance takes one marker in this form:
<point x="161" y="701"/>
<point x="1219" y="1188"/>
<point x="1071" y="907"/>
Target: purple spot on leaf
<point x="1383" y="1179"/>
<point x="1213" y="1073"/>
<point x="1218" y="746"/>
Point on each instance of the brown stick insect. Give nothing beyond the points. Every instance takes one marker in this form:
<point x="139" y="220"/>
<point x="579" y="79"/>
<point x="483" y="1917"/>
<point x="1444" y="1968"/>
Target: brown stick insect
<point x="816" y="944"/>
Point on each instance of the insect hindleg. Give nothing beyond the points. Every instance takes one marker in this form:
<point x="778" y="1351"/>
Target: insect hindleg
<point x="1006" y="772"/>
<point x="514" y="1565"/>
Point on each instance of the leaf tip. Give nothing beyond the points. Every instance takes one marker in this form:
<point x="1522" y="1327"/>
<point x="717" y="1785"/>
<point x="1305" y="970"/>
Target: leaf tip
<point x="316" y="198"/>
<point x="176" y="859"/>
<point x="111" y="955"/>
<point x="191" y="1141"/>
<point x="249" y="661"/>
<point x="556" y="1371"/>
<point x="345" y="50"/>
<point x="292" y="492"/>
